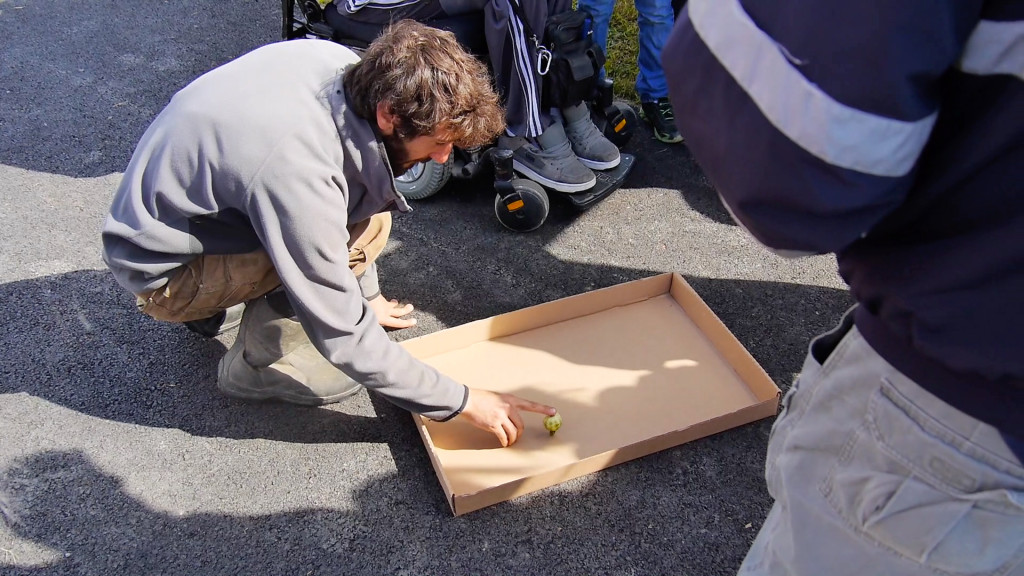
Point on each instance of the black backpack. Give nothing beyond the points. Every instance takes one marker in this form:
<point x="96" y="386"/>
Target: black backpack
<point x="575" y="58"/>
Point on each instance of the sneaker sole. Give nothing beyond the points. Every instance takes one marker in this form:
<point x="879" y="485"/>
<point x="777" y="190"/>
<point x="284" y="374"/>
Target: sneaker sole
<point x="558" y="186"/>
<point x="595" y="165"/>
<point x="224" y="385"/>
<point x="667" y="140"/>
<point x="658" y="135"/>
<point x="232" y="317"/>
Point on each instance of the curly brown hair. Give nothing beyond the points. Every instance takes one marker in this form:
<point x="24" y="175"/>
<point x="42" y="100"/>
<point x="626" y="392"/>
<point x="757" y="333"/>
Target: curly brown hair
<point x="429" y="82"/>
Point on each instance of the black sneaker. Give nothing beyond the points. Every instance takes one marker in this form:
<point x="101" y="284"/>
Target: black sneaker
<point x="661" y="117"/>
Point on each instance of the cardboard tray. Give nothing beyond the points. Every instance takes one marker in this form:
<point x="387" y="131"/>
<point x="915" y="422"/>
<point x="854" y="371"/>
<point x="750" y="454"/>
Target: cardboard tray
<point x="633" y="369"/>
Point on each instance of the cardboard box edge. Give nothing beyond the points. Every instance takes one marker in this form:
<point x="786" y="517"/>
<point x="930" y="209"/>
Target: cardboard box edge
<point x="725" y="342"/>
<point x="471" y="502"/>
<point x="538" y="315"/>
<point x="722" y="339"/>
<point x="421" y="427"/>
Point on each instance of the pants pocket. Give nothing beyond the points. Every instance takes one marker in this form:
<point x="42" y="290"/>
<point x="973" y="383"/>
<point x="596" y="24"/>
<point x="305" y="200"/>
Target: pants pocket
<point x="171" y="302"/>
<point x="917" y="488"/>
<point x="226" y="280"/>
<point x="211" y="283"/>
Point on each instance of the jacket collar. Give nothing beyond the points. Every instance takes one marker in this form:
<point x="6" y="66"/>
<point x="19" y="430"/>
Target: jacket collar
<point x="368" y="167"/>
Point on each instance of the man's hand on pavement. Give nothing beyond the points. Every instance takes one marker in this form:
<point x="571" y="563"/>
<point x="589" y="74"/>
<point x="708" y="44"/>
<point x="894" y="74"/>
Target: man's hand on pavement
<point x="390" y="313"/>
<point x="499" y="413"/>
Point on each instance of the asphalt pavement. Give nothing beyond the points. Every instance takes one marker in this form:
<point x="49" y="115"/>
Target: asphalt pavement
<point x="117" y="455"/>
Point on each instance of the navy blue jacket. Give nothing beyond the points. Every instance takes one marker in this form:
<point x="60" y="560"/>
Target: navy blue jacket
<point x="889" y="133"/>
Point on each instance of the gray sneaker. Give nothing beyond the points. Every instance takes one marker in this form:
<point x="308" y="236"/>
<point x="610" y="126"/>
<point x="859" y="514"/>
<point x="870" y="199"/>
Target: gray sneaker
<point x="591" y="146"/>
<point x="550" y="162"/>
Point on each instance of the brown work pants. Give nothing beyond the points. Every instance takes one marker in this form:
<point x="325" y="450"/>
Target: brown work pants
<point x="214" y="282"/>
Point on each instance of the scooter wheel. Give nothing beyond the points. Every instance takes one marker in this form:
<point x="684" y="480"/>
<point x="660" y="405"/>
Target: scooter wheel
<point x="424" y="180"/>
<point x="525" y="209"/>
<point x="621" y="125"/>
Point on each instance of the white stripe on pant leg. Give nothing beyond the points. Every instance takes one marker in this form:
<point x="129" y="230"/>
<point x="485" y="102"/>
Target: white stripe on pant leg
<point x="524" y="71"/>
<point x="521" y="55"/>
<point x="352" y="6"/>
<point x="521" y="51"/>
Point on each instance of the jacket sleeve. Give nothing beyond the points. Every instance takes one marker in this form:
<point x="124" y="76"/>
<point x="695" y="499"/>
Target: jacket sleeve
<point x="368" y="282"/>
<point x="298" y="207"/>
<point x="809" y="116"/>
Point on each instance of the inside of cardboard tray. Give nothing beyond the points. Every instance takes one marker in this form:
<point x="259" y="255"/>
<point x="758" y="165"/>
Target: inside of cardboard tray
<point x="618" y="376"/>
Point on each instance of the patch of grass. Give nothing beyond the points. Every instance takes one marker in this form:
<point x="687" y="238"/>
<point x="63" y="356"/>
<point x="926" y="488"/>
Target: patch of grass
<point x="621" y="64"/>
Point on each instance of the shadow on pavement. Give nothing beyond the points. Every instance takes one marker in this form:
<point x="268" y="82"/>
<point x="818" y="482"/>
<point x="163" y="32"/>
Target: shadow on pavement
<point x="62" y="501"/>
<point x="77" y="341"/>
<point x="468" y="273"/>
<point x="663" y="165"/>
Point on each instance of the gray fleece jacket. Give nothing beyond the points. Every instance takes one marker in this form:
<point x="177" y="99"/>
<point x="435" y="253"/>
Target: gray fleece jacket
<point x="264" y="151"/>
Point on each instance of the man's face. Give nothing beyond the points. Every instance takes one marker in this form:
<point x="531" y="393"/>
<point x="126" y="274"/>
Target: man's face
<point x="404" y="154"/>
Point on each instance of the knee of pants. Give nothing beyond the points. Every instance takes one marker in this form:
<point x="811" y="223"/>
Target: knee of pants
<point x="662" y="17"/>
<point x="209" y="284"/>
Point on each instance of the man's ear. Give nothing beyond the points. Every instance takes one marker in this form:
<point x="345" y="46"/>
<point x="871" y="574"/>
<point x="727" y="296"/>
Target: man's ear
<point x="386" y="119"/>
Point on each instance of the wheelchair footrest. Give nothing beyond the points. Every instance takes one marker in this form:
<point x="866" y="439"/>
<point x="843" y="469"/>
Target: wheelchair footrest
<point x="608" y="181"/>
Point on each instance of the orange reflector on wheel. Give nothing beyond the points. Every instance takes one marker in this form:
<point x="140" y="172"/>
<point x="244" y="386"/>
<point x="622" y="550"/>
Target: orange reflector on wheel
<point x="513" y="206"/>
<point x="620" y="125"/>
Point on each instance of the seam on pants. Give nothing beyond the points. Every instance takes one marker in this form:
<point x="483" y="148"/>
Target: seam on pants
<point x="946" y="435"/>
<point x="825" y="370"/>
<point x="524" y="69"/>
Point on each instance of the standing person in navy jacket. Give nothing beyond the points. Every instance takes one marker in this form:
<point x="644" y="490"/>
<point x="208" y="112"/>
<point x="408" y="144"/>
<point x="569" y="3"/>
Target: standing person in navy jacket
<point x="890" y="134"/>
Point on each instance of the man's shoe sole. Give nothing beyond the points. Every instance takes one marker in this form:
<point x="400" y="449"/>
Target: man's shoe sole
<point x="660" y="136"/>
<point x="566" y="187"/>
<point x="667" y="139"/>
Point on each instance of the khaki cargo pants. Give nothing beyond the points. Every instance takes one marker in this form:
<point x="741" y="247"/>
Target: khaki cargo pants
<point x="214" y="282"/>
<point x="873" y="475"/>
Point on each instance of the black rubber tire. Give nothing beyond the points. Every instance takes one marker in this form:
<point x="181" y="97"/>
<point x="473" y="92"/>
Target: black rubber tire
<point x="424" y="179"/>
<point x="527" y="216"/>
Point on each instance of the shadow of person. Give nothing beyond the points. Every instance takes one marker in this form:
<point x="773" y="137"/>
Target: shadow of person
<point x="90" y="524"/>
<point x="450" y="258"/>
<point x="62" y="513"/>
<point x="76" y="340"/>
<point x="673" y="167"/>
